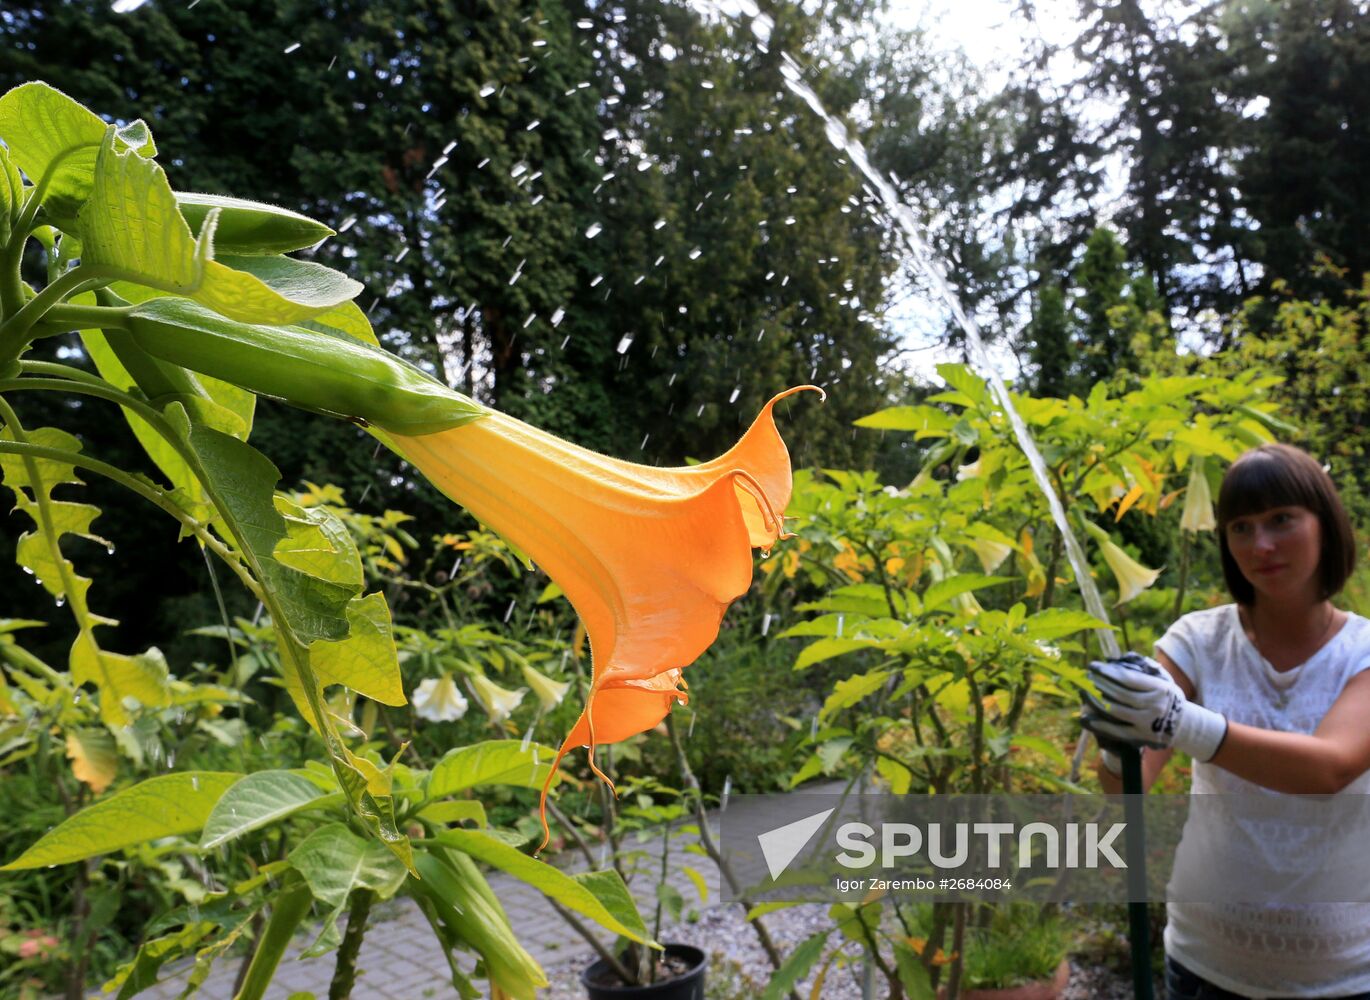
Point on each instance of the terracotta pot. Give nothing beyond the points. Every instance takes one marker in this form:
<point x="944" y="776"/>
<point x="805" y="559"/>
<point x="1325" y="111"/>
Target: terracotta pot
<point x="1044" y="989"/>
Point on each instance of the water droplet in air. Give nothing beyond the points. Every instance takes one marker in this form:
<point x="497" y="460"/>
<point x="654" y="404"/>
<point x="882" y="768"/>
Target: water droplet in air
<point x="519" y="170"/>
<point x="644" y="165"/>
<point x="532" y="125"/>
<point x="659" y="224"/>
<point x="449" y="147"/>
<point x="401" y="255"/>
<point x="487" y="90"/>
<point x="347" y="224"/>
<point x="291" y="47"/>
<point x="644" y="442"/>
<point x="585" y="24"/>
<point x="558" y="316"/>
<point x="671" y="380"/>
<point x="737" y="391"/>
<point x="509" y="612"/>
<point x="594" y="230"/>
<point x="564" y="341"/>
<point x="700" y="412"/>
<point x="765" y="623"/>
<point x="625" y="342"/>
<point x="529" y="321"/>
<point x="707" y="84"/>
<point x="596" y="280"/>
<point x="695" y="253"/>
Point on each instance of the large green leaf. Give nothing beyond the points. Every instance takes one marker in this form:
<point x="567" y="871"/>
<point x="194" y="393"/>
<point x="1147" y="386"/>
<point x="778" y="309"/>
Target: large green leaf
<point x="471" y="916"/>
<point x="245" y="480"/>
<point x="51" y="136"/>
<point x="132" y="231"/>
<point x="943" y="591"/>
<point x="1056" y="622"/>
<point x="348" y="319"/>
<point x="259" y="800"/>
<point x="277" y="290"/>
<point x="366" y="661"/>
<point x="165" y="806"/>
<point x="851" y="690"/>
<point x="826" y="649"/>
<point x="12" y="192"/>
<point x="334" y="861"/>
<point x="796" y="966"/>
<point x="550" y="881"/>
<point x="141" y="973"/>
<point x="494" y="762"/>
<point x="142" y="678"/>
<point x="924" y="421"/>
<point x="130" y="226"/>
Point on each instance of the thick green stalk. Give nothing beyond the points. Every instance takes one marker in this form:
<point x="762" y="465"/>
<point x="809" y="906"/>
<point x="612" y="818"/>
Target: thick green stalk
<point x="17" y="325"/>
<point x="291" y="907"/>
<point x="345" y="969"/>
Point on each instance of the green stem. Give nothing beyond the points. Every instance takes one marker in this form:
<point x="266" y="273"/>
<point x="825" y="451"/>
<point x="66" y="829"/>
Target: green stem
<point x="14" y="328"/>
<point x="153" y="495"/>
<point x="291" y="907"/>
<point x="55" y="370"/>
<point x="74" y="317"/>
<point x="1184" y="575"/>
<point x="345" y="969"/>
<point x="11" y="282"/>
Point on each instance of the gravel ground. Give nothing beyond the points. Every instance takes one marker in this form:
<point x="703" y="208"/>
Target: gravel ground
<point x="739" y="970"/>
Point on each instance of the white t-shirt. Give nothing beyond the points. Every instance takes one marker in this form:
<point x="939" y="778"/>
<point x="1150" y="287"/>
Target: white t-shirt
<point x="1310" y="950"/>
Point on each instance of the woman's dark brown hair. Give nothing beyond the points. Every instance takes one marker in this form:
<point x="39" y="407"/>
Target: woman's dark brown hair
<point x="1280" y="475"/>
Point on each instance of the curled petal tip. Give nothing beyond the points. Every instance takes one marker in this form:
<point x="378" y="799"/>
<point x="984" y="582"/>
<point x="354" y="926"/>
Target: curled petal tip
<point x="822" y="396"/>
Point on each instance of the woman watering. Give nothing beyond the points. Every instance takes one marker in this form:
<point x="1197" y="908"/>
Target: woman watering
<point x="1270" y="696"/>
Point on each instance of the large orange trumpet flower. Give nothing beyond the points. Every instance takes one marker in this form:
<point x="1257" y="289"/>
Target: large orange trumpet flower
<point x="650" y="558"/>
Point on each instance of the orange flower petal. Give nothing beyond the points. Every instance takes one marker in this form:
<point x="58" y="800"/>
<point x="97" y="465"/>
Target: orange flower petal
<point x="650" y="558"/>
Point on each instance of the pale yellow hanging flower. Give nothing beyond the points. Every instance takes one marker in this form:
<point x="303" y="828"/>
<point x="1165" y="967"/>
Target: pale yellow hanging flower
<point x="549" y="692"/>
<point x="1198" y="500"/>
<point x="439" y="700"/>
<point x="1132" y="576"/>
<point x="990" y="553"/>
<point x="498" y="702"/>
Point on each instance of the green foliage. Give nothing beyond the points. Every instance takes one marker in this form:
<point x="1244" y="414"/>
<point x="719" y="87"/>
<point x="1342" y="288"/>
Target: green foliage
<point x="341" y="833"/>
<point x="943" y="626"/>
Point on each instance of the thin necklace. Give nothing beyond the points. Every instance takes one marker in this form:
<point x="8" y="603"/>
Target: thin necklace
<point x="1331" y="617"/>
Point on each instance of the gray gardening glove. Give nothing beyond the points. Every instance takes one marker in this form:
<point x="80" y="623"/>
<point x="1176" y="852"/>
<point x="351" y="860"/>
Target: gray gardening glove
<point x="1144" y="707"/>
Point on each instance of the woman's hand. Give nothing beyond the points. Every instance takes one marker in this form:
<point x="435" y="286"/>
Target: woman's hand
<point x="1146" y="708"/>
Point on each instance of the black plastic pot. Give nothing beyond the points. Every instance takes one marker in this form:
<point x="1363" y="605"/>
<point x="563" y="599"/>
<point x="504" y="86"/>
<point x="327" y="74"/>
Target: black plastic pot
<point x="687" y="987"/>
